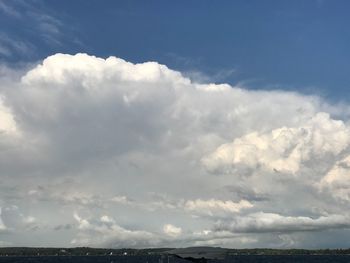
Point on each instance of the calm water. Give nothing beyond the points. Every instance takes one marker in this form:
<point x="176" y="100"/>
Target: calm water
<point x="155" y="259"/>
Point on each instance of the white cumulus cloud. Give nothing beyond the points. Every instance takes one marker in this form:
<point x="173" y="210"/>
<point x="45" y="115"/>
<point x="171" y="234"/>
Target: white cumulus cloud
<point x="284" y="149"/>
<point x="94" y="138"/>
<point x="172" y="230"/>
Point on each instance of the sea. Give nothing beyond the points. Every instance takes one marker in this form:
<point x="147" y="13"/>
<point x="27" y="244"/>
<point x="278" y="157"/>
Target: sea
<point x="157" y="259"/>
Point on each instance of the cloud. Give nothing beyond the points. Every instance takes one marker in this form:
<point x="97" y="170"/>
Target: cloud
<point x="124" y="147"/>
<point x="106" y="233"/>
<point x="3" y="228"/>
<point x="12" y="219"/>
<point x="8" y="9"/>
<point x="8" y="124"/>
<point x="121" y="199"/>
<point x="40" y="29"/>
<point x="172" y="230"/>
<point x="63" y="192"/>
<point x="11" y="45"/>
<point x="336" y="181"/>
<point x="284" y="149"/>
<point x="198" y="207"/>
<point x="213" y="206"/>
<point x="270" y="222"/>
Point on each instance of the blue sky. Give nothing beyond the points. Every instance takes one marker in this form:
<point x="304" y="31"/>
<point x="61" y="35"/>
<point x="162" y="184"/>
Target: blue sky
<point x="174" y="123"/>
<point x="294" y="45"/>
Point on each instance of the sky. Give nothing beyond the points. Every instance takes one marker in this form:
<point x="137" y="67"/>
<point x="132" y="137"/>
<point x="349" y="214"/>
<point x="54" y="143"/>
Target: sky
<point x="174" y="123"/>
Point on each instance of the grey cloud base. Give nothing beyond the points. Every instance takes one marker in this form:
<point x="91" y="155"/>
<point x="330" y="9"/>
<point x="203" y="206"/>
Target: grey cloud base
<point x="106" y="153"/>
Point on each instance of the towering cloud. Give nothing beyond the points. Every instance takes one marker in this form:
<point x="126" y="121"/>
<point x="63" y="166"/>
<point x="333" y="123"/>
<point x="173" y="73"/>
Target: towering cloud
<point x="105" y="152"/>
<point x="286" y="149"/>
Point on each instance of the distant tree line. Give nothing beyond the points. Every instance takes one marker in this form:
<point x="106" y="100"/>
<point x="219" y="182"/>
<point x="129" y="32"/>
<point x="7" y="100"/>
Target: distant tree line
<point x="266" y="251"/>
<point x="87" y="251"/>
<point x="77" y="251"/>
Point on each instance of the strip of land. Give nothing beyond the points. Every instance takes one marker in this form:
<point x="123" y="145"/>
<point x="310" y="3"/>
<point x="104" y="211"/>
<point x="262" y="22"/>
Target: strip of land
<point x="87" y="251"/>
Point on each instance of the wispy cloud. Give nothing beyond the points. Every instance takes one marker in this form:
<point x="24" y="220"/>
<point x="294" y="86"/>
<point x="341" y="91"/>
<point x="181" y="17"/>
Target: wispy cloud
<point x="10" y="46"/>
<point x="39" y="27"/>
<point x="7" y="8"/>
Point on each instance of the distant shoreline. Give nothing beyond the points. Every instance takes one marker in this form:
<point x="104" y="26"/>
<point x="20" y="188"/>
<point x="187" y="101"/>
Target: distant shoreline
<point x="88" y="251"/>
